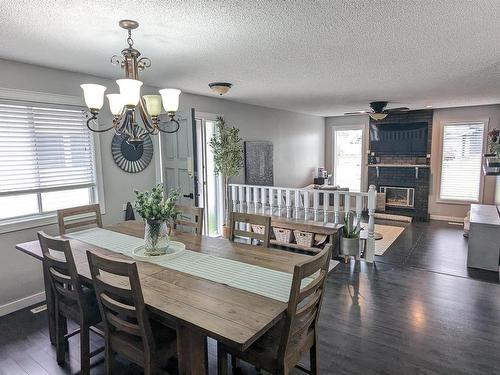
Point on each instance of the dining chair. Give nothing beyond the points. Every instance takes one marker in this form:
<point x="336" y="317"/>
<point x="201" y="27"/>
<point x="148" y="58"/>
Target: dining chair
<point x="197" y="218"/>
<point x="70" y="299"/>
<point x="251" y="220"/>
<point x="77" y="221"/>
<point x="281" y="348"/>
<point x="128" y="330"/>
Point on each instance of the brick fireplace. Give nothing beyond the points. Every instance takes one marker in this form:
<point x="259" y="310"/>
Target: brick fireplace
<point x="404" y="178"/>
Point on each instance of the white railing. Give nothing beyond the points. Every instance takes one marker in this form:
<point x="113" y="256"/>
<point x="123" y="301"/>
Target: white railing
<point x="326" y="206"/>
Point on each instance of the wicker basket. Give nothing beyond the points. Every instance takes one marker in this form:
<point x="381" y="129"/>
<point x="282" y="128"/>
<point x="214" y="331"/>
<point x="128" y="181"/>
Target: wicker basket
<point x="283" y="235"/>
<point x="303" y="238"/>
<point x="260" y="229"/>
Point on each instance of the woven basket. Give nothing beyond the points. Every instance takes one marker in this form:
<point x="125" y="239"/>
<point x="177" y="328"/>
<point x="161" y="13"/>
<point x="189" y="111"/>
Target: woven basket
<point x="260" y="229"/>
<point x="283" y="235"/>
<point x="303" y="238"/>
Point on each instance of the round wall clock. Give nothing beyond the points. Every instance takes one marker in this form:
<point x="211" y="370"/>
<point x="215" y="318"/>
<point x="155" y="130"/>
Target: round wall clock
<point x="132" y="159"/>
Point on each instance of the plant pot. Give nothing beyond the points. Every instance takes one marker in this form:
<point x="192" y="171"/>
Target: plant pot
<point x="349" y="246"/>
<point x="226" y="231"/>
<point x="156" y="239"/>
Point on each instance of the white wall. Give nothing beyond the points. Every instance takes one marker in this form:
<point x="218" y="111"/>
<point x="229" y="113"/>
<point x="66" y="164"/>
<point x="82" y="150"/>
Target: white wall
<point x="298" y="147"/>
<point x="298" y="140"/>
<point x="489" y="113"/>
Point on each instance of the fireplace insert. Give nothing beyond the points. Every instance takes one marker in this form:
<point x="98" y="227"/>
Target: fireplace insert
<point x="398" y="196"/>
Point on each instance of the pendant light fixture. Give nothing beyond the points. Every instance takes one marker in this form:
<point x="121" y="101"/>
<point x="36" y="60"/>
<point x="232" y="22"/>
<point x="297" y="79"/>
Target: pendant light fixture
<point x="128" y="107"/>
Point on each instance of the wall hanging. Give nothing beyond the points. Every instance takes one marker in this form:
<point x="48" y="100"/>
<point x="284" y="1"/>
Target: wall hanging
<point x="132" y="158"/>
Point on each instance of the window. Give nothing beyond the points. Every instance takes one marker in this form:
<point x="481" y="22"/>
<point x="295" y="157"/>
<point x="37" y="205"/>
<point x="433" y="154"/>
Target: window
<point x="461" y="161"/>
<point x="348" y="158"/>
<point x="46" y="159"/>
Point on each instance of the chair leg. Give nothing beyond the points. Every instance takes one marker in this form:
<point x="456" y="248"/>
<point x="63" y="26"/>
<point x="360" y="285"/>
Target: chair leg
<point x="314" y="359"/>
<point x="235" y="363"/>
<point x="221" y="360"/>
<point x="109" y="358"/>
<point x="84" y="349"/>
<point x="60" y="340"/>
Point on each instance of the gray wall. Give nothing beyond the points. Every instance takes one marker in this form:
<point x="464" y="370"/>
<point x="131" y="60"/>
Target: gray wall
<point x="298" y="147"/>
<point x="298" y="139"/>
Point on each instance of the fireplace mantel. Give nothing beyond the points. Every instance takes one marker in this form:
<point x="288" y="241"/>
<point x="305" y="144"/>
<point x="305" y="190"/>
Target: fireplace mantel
<point x="400" y="165"/>
<point x="416" y="166"/>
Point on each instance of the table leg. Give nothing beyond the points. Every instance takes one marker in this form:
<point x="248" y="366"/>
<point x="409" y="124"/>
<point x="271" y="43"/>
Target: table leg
<point x="192" y="351"/>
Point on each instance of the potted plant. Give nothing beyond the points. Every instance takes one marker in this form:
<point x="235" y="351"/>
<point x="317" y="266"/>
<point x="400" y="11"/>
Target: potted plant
<point x="227" y="149"/>
<point x="156" y="210"/>
<point x="350" y="232"/>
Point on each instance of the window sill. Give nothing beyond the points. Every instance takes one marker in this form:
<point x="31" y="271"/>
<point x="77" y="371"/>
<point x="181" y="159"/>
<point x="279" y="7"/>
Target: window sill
<point x="30" y="222"/>
<point x="457" y="203"/>
<point x="27" y="222"/>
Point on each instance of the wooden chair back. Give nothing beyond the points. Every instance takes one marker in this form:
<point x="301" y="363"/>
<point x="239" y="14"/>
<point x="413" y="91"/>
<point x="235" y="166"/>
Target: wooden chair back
<point x="120" y="299"/>
<point x="248" y="220"/>
<point x="196" y="212"/>
<point x="79" y="222"/>
<point x="304" y="304"/>
<point x="60" y="267"/>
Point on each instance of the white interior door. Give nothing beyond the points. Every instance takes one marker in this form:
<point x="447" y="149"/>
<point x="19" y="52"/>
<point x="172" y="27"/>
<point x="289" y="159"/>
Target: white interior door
<point x="348" y="157"/>
<point x="177" y="160"/>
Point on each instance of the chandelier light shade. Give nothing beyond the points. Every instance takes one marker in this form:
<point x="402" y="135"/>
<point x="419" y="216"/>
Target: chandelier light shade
<point x="153" y="104"/>
<point x="130" y="91"/>
<point x="170" y="99"/>
<point x="93" y="95"/>
<point x="115" y="104"/>
<point x="128" y="107"/>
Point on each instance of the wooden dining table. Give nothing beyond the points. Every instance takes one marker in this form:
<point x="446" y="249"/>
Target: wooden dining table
<point x="196" y="307"/>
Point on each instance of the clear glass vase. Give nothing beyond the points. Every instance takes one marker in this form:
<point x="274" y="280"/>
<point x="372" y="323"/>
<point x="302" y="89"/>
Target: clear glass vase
<point x="156" y="238"/>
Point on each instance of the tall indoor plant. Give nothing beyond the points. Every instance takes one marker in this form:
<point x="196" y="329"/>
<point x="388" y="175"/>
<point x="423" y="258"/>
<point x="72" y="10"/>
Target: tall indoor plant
<point x="227" y="148"/>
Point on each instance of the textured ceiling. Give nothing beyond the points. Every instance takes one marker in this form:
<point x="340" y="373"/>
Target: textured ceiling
<point x="318" y="57"/>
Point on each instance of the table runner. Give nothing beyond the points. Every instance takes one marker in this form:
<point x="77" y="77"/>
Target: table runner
<point x="255" y="279"/>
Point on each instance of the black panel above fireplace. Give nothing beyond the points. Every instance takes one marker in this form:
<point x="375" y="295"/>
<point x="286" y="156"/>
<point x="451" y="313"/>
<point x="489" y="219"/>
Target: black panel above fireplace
<point x="409" y="139"/>
<point x="400" y="170"/>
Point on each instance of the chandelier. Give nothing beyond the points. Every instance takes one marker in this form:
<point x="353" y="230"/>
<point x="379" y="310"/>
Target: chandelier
<point x="128" y="105"/>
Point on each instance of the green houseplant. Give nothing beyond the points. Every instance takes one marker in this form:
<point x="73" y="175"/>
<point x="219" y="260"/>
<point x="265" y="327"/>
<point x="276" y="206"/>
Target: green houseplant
<point x="156" y="209"/>
<point x="350" y="235"/>
<point x="227" y="149"/>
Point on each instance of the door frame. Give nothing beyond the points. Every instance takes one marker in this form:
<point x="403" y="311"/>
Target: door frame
<point x="364" y="151"/>
<point x="203" y="117"/>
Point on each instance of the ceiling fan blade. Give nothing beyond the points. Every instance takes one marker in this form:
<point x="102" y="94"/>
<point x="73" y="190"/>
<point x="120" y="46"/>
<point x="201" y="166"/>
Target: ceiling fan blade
<point x="398" y="109"/>
<point x="357" y="113"/>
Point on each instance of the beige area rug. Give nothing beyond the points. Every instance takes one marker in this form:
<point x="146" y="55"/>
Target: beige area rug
<point x="389" y="234"/>
<point x="333" y="264"/>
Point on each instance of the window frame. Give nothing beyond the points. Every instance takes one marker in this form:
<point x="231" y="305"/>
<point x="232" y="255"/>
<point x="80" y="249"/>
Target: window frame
<point x="364" y="143"/>
<point x="485" y="123"/>
<point x="97" y="190"/>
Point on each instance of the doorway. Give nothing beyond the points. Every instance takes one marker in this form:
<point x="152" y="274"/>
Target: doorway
<point x="348" y="157"/>
<point x="210" y="184"/>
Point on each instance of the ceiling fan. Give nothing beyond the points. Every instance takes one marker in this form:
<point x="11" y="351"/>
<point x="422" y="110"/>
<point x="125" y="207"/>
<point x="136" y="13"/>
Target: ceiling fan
<point x="378" y="110"/>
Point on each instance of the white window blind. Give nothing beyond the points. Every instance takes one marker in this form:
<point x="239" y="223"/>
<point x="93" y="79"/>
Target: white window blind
<point x="461" y="161"/>
<point x="46" y="158"/>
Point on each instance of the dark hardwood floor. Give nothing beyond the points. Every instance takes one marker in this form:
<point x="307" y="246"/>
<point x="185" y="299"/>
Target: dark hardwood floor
<point x="417" y="310"/>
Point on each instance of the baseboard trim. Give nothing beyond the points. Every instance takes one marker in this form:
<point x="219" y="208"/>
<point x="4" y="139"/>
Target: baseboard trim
<point x="21" y="303"/>
<point x="447" y="218"/>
